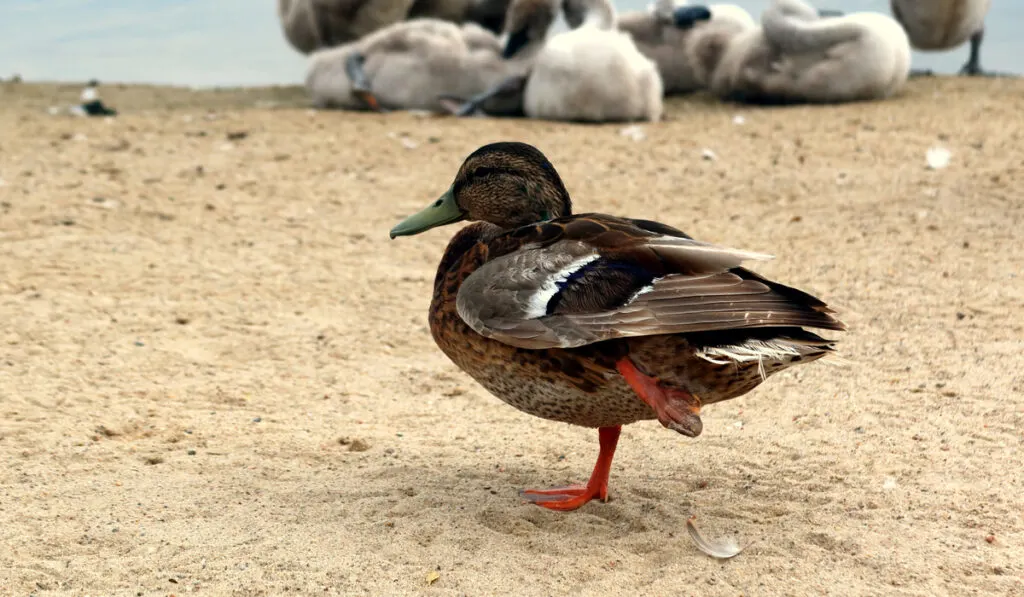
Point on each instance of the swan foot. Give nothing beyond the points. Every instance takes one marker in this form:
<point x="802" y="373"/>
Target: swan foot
<point x="360" y="82"/>
<point x="973" y="66"/>
<point x="457" y="106"/>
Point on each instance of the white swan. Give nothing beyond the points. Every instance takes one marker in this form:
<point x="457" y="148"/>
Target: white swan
<point x="592" y="73"/>
<point x="666" y="29"/>
<point x="797" y="56"/>
<point x="410" y="65"/>
<point x="944" y="24"/>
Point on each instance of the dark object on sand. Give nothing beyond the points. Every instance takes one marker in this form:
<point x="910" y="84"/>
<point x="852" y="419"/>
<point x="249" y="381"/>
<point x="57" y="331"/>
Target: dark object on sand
<point x="91" y="104"/>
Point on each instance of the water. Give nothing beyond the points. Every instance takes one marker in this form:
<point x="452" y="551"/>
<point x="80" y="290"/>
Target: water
<point x="206" y="43"/>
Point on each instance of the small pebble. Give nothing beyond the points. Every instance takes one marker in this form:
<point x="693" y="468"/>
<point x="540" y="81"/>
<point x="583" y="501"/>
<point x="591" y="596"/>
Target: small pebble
<point x="257" y="419"/>
<point x="634" y="132"/>
<point x="358" y="445"/>
<point x="937" y="158"/>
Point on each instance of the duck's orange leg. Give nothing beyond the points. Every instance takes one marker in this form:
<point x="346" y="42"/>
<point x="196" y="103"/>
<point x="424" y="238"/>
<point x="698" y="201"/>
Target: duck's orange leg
<point x="570" y="498"/>
<point x="676" y="409"/>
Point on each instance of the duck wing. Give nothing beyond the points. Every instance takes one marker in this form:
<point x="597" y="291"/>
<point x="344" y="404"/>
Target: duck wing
<point x="588" y="278"/>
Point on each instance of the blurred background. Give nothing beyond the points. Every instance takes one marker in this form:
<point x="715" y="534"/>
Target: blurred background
<point x="205" y="43"/>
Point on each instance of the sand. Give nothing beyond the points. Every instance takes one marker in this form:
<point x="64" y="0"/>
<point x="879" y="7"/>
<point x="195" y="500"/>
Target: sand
<point x="216" y="376"/>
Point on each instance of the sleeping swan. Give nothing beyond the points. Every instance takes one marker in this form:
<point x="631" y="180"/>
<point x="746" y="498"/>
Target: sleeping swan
<point x="797" y="56"/>
<point x="944" y="24"/>
<point x="663" y="33"/>
<point x="409" y="65"/>
<point x="592" y="73"/>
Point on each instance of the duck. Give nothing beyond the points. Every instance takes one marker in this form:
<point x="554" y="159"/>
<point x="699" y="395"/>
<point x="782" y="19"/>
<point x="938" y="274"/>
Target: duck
<point x="591" y="73"/>
<point x="415" y="64"/>
<point x="310" y="25"/>
<point x="935" y="25"/>
<point x="665" y="31"/>
<point x="598" y="320"/>
<point x="797" y="56"/>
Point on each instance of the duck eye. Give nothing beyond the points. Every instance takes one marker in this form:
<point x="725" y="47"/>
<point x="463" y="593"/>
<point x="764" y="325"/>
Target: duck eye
<point x="483" y="171"/>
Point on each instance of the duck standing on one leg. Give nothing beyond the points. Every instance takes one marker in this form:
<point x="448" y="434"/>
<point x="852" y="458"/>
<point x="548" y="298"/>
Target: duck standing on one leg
<point x="597" y="320"/>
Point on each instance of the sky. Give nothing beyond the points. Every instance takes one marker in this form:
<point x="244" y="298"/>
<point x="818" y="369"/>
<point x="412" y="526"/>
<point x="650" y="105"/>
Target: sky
<point x="210" y="43"/>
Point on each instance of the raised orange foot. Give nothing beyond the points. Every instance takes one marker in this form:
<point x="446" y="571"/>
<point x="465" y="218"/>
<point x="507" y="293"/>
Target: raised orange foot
<point x="676" y="409"/>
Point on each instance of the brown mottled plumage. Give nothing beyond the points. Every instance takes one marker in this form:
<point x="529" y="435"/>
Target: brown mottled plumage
<point x="597" y="320"/>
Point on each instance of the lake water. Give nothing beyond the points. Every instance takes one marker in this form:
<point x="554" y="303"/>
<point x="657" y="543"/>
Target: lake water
<point x="206" y="43"/>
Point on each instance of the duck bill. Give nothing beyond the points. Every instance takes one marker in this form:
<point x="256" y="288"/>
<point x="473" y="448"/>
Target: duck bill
<point x="443" y="211"/>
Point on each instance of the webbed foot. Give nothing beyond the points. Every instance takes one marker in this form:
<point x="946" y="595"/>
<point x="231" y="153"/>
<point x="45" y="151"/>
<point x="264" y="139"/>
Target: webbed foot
<point x="574" y="496"/>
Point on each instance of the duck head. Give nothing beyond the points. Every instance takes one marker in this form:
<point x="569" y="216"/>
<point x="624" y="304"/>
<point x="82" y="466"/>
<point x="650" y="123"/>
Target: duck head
<point x="508" y="184"/>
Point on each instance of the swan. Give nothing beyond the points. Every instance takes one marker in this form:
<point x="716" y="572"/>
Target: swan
<point x="489" y="14"/>
<point x="410" y="65"/>
<point x="594" y="72"/>
<point x="309" y="25"/>
<point x="591" y="73"/>
<point x="797" y="56"/>
<point x="663" y="33"/>
<point x="944" y="24"/>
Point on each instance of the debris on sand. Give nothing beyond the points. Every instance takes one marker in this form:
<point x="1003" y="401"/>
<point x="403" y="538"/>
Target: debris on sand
<point x="722" y="549"/>
<point x="634" y="132"/>
<point x="937" y="158"/>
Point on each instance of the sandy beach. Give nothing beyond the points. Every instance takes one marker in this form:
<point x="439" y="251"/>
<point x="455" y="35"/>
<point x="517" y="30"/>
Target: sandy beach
<point x="216" y="376"/>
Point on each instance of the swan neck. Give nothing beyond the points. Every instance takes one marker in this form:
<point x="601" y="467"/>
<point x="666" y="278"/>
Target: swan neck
<point x="600" y="15"/>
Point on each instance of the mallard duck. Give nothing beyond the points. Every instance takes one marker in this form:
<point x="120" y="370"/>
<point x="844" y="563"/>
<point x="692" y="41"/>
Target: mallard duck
<point x="598" y="320"/>
<point x="799" y="56"/>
